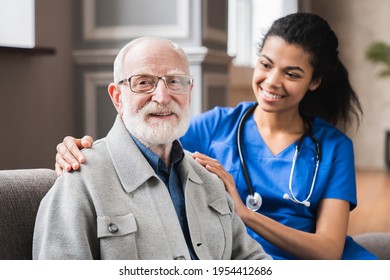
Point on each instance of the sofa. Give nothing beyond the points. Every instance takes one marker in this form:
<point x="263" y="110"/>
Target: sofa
<point x="21" y="191"/>
<point x="20" y="194"/>
<point x="376" y="242"/>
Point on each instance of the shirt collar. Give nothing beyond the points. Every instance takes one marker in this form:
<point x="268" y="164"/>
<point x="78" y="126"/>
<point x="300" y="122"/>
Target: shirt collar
<point x="176" y="156"/>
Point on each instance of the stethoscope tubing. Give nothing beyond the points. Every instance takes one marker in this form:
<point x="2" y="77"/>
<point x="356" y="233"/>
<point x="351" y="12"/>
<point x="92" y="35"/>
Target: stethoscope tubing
<point x="239" y="146"/>
<point x="254" y="199"/>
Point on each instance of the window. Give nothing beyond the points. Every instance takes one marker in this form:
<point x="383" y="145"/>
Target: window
<point x="248" y="21"/>
<point x="17" y="23"/>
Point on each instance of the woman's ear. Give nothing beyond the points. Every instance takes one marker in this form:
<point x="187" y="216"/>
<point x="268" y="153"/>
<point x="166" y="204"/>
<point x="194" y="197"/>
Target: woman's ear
<point x="315" y="84"/>
<point x="115" y="95"/>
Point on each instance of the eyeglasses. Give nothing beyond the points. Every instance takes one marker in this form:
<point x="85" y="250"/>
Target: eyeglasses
<point x="147" y="84"/>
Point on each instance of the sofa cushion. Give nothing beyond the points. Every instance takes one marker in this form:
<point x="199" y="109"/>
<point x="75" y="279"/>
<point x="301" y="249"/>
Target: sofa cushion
<point x="21" y="191"/>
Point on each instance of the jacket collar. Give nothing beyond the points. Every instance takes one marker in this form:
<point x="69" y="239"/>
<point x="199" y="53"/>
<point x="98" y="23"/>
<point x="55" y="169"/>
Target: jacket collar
<point x="131" y="166"/>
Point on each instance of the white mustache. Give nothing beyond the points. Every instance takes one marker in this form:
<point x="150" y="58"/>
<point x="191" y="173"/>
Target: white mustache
<point x="156" y="108"/>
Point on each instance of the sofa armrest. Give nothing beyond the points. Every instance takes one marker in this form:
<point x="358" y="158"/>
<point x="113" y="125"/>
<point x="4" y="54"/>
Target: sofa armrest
<point x="377" y="243"/>
<point x="21" y="192"/>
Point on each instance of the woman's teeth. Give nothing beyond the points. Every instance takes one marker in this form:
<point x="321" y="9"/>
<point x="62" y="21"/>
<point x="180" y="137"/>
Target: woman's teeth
<point x="270" y="95"/>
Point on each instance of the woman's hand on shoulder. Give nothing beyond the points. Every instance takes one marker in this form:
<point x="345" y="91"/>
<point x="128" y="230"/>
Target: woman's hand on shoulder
<point x="214" y="166"/>
<point x="69" y="157"/>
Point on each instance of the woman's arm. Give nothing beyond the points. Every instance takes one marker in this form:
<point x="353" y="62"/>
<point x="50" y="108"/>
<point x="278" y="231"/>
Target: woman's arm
<point x="331" y="227"/>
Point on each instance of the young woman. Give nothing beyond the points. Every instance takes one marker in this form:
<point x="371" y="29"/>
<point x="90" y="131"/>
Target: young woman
<point x="288" y="167"/>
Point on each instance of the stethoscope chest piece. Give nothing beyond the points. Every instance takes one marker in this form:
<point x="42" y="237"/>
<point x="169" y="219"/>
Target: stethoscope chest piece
<point x="254" y="201"/>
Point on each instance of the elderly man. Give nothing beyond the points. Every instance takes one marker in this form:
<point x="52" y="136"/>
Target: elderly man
<point x="141" y="196"/>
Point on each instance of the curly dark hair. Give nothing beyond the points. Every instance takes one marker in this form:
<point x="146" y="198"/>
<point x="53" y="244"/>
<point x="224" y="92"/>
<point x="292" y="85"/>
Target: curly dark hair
<point x="334" y="100"/>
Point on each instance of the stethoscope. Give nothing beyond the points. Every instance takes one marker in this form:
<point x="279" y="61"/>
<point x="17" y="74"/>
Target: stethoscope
<point x="254" y="199"/>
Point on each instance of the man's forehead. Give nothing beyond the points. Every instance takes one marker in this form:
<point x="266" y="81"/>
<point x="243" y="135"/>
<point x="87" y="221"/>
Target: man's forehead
<point x="155" y="65"/>
<point x="157" y="71"/>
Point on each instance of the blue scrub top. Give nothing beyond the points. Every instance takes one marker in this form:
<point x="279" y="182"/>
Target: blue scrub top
<point x="214" y="133"/>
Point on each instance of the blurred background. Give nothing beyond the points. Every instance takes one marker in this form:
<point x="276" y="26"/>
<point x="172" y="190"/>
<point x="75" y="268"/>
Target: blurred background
<point x="56" y="62"/>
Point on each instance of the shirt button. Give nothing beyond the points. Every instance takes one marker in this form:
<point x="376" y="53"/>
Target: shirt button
<point x="112" y="228"/>
<point x="180" y="257"/>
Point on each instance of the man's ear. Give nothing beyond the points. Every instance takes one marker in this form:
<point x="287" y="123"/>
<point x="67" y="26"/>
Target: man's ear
<point x="115" y="95"/>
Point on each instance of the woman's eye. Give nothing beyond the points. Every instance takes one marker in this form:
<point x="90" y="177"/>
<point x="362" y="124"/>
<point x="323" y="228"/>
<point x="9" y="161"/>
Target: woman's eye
<point x="265" y="65"/>
<point x="292" y="75"/>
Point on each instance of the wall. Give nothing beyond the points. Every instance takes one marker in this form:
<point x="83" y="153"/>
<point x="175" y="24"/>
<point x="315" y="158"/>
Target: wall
<point x="358" y="23"/>
<point x="36" y="107"/>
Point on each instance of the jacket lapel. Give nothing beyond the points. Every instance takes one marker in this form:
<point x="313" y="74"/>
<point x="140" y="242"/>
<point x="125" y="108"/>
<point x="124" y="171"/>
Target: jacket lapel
<point x="131" y="166"/>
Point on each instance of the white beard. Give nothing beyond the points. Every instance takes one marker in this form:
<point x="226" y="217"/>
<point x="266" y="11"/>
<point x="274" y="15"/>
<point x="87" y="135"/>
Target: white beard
<point x="153" y="133"/>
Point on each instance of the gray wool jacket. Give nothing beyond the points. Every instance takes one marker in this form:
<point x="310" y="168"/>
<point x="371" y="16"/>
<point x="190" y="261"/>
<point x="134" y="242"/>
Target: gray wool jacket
<point x="116" y="207"/>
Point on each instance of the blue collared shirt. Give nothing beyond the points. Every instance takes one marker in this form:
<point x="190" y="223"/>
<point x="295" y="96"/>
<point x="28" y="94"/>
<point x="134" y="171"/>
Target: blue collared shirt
<point x="169" y="175"/>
